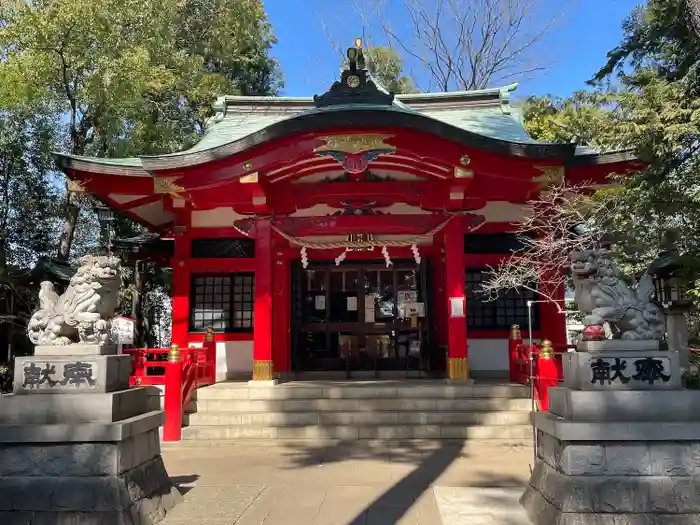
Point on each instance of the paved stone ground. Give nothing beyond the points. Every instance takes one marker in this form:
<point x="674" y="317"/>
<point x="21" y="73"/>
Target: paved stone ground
<point x="477" y="483"/>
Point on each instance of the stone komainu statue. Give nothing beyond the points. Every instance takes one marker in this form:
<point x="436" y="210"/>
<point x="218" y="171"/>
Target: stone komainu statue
<point x="82" y="314"/>
<point x="601" y="293"/>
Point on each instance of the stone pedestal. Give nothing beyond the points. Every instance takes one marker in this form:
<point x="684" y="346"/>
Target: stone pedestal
<point x="78" y="446"/>
<point x="620" y="444"/>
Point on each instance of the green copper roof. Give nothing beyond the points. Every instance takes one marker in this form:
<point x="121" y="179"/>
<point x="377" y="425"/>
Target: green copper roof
<point x="489" y="121"/>
<point x="486" y="112"/>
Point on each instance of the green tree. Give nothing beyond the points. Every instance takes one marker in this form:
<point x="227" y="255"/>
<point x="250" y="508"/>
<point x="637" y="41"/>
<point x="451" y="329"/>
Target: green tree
<point x="28" y="192"/>
<point x="584" y="118"/>
<point x="131" y="76"/>
<point x="28" y="210"/>
<point x="657" y="64"/>
<point x="386" y="66"/>
<point x="659" y="42"/>
<point x="656" y="111"/>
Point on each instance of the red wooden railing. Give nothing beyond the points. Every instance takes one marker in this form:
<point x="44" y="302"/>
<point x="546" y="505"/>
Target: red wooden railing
<point x="547" y="365"/>
<point x="181" y="372"/>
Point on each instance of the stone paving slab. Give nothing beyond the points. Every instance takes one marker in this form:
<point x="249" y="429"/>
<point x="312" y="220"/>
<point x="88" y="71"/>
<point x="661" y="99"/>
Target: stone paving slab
<point x="480" y="506"/>
<point x="347" y="484"/>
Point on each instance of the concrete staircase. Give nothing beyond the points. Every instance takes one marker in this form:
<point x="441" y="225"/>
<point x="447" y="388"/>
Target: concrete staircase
<point x="362" y="410"/>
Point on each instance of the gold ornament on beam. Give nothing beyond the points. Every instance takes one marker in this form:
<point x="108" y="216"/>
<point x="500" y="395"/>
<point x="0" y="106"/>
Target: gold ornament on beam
<point x="167" y="186"/>
<point x="75" y="186"/>
<point x="251" y="178"/>
<point x="461" y="173"/>
<point x="464" y="160"/>
<point x="353" y="144"/>
<point x="550" y="175"/>
<point x="353" y="238"/>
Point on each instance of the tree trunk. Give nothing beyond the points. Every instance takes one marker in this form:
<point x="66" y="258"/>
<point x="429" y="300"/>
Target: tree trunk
<point x="68" y="229"/>
<point x="137" y="305"/>
<point x="6" y="303"/>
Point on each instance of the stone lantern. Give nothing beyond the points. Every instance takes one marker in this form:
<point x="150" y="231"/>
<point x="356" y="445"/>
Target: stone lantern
<point x="671" y="293"/>
<point x="105" y="216"/>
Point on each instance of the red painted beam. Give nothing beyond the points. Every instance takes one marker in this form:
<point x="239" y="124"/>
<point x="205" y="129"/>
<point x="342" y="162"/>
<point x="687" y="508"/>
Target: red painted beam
<point x="400" y="191"/>
<point x="140" y="202"/>
<point x="102" y="184"/>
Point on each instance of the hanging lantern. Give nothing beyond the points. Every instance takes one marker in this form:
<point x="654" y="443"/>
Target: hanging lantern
<point x="304" y="258"/>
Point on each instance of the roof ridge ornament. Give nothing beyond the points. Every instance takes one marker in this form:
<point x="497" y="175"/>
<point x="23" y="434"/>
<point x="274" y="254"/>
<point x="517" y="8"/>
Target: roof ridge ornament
<point x="356" y="85"/>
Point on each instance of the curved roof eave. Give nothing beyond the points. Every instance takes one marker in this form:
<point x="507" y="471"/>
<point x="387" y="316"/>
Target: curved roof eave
<point x="130" y="167"/>
<point x="609" y="157"/>
<point x="326" y="119"/>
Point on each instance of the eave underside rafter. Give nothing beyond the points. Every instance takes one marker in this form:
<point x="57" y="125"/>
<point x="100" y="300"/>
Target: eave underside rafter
<point x="426" y="173"/>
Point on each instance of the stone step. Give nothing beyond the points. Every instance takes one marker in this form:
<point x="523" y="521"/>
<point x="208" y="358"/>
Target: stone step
<point x="396" y="446"/>
<point x="239" y="391"/>
<point x="291" y="419"/>
<point x="353" y="432"/>
<point x="359" y="405"/>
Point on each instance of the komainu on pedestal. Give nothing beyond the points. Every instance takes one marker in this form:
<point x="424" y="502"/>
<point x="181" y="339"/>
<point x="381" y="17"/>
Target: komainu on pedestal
<point x="601" y="293"/>
<point x="84" y="311"/>
<point x="620" y="444"/>
<point x="77" y="445"/>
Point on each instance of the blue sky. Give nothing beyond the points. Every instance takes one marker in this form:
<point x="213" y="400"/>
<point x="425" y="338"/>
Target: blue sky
<point x="576" y="48"/>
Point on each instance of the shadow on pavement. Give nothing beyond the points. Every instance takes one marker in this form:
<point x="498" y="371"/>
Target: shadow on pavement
<point x="183" y="482"/>
<point x="431" y="460"/>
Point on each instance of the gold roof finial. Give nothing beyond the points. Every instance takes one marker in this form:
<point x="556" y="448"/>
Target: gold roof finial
<point x="356" y="58"/>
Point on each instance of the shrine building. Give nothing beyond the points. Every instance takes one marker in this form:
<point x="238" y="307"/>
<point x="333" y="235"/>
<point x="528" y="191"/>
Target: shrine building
<point x="348" y="233"/>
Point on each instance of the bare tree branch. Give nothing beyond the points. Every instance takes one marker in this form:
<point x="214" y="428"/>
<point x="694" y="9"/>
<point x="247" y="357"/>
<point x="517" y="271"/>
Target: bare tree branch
<point x="548" y="239"/>
<point x="468" y="44"/>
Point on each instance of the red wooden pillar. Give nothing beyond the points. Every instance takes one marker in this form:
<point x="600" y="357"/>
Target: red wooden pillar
<point x="181" y="290"/>
<point x="455" y="301"/>
<point x="553" y="316"/>
<point x="281" y="309"/>
<point x="439" y="296"/>
<point x="262" y="331"/>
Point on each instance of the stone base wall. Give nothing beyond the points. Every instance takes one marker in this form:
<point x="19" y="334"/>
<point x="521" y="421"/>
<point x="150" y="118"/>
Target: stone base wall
<point x="138" y="496"/>
<point x="614" y="483"/>
<point x="117" y="483"/>
<point x="78" y="446"/>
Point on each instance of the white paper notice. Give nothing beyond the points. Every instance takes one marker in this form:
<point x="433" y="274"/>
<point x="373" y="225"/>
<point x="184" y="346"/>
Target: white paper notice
<point x="369" y="314"/>
<point x="408" y="297"/>
<point x="456" y="306"/>
<point x="352" y="304"/>
<point x="320" y="302"/>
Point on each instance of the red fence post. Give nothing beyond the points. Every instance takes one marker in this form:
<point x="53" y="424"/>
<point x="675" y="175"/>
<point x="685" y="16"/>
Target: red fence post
<point x="514" y="340"/>
<point x="138" y="367"/>
<point x="210" y="356"/>
<point x="547" y="375"/>
<point x="172" y="430"/>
